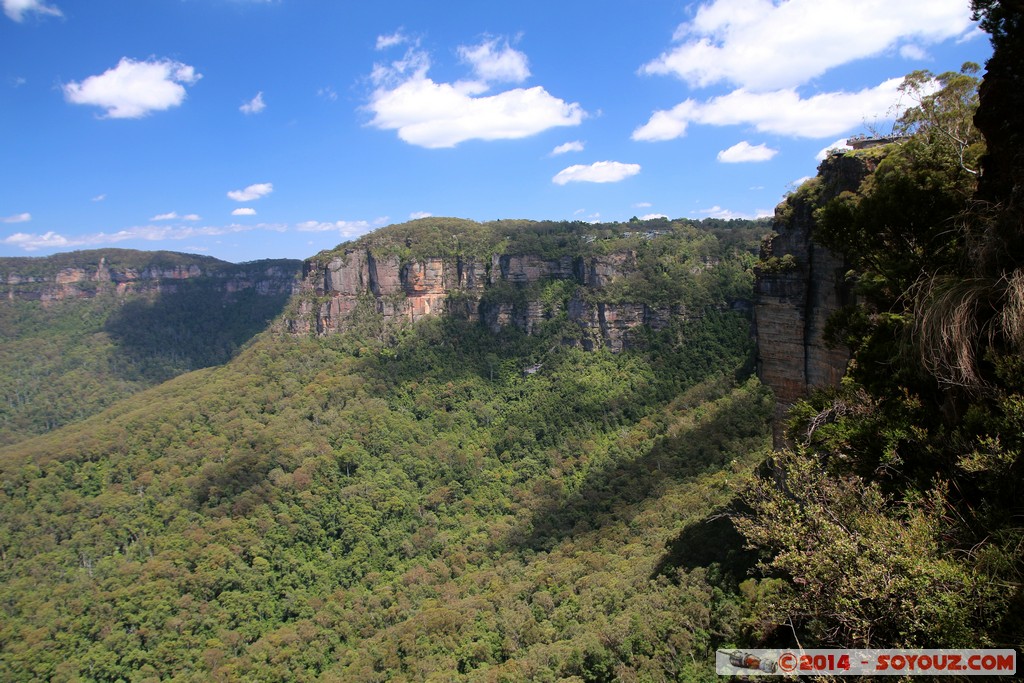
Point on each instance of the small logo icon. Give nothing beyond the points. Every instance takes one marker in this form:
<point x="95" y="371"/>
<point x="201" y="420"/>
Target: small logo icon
<point x="743" y="660"/>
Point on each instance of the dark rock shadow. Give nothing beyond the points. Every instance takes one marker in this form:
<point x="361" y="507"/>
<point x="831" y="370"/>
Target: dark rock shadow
<point x="712" y="540"/>
<point x="191" y="324"/>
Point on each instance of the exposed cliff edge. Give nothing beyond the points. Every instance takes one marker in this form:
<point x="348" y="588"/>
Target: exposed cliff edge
<point x="84" y="274"/>
<point x="799" y="285"/>
<point x="590" y="280"/>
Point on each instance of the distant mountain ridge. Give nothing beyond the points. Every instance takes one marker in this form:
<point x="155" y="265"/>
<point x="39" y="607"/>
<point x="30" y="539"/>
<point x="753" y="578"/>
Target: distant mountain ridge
<point x="81" y="330"/>
<point x="83" y="274"/>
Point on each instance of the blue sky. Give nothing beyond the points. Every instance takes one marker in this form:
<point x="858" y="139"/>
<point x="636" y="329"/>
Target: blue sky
<point x="249" y="129"/>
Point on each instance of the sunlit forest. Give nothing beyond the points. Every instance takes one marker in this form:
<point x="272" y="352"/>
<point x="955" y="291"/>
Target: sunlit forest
<point x="191" y="490"/>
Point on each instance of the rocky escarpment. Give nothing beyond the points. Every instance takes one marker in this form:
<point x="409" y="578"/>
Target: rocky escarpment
<point x="499" y="291"/>
<point x="799" y="285"/>
<point x="86" y="274"/>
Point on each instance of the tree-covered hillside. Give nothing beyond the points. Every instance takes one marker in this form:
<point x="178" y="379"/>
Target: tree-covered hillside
<point x="72" y="344"/>
<point x="395" y="502"/>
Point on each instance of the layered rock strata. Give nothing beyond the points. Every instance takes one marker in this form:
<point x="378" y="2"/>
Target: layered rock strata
<point x="331" y="291"/>
<point x="799" y="285"/>
<point x="109" y="276"/>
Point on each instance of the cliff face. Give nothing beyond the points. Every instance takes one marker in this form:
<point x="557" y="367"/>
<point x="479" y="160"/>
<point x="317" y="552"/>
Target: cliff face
<point x="83" y="275"/>
<point x="331" y="290"/>
<point x="799" y="285"/>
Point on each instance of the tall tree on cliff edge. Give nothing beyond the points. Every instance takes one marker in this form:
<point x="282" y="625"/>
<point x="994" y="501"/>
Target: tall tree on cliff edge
<point x="895" y="520"/>
<point x="1001" y="103"/>
<point x="963" y="316"/>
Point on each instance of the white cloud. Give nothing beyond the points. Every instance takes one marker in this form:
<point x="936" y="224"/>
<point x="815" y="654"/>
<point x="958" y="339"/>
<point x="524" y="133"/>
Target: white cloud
<point x="728" y="214"/>
<point x="744" y="151"/>
<point x="642" y="205"/>
<point x="492" y="63"/>
<point x="780" y="112"/>
<point x="17" y="9"/>
<point x="244" y="211"/>
<point x="913" y="52"/>
<point x="99" y="198"/>
<point x="772" y="44"/>
<point x="17" y="218"/>
<point x="436" y="115"/>
<point x="839" y="144"/>
<point x="32" y="242"/>
<point x="419" y="214"/>
<point x="344" y="228"/>
<point x="255" y="105"/>
<point x="149" y="233"/>
<point x="173" y="216"/>
<point x="328" y="93"/>
<point x="652" y="216"/>
<point x="386" y="41"/>
<point x="599" y="172"/>
<point x="134" y="89"/>
<point x="574" y="146"/>
<point x="252" y="193"/>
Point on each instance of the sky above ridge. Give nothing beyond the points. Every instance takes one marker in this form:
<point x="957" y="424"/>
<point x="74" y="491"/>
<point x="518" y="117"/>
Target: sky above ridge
<point x="250" y="129"/>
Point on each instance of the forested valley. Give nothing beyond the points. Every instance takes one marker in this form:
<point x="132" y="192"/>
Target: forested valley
<point x="442" y="501"/>
<point x="404" y="501"/>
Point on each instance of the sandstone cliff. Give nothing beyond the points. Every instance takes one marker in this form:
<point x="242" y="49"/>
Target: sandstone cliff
<point x="497" y="291"/>
<point x="85" y="274"/>
<point x="799" y="285"/>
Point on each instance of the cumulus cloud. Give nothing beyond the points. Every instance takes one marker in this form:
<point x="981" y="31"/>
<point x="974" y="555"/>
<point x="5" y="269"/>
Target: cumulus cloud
<point x="435" y="115"/>
<point x="252" y="192"/>
<point x="772" y="44"/>
<point x="574" y="146"/>
<point x="17" y="218"/>
<point x="17" y="9"/>
<point x="244" y="211"/>
<point x="744" y="151"/>
<point x="652" y="216"/>
<point x="386" y="41"/>
<point x="149" y="233"/>
<point x="134" y="89"/>
<point x="492" y="62"/>
<point x="419" y="214"/>
<point x="780" y="112"/>
<point x="599" y="172"/>
<point x="254" y="106"/>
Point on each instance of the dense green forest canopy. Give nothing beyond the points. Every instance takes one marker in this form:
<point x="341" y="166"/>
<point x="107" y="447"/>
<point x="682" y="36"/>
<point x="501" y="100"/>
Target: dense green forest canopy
<point x="404" y="505"/>
<point x="438" y="502"/>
